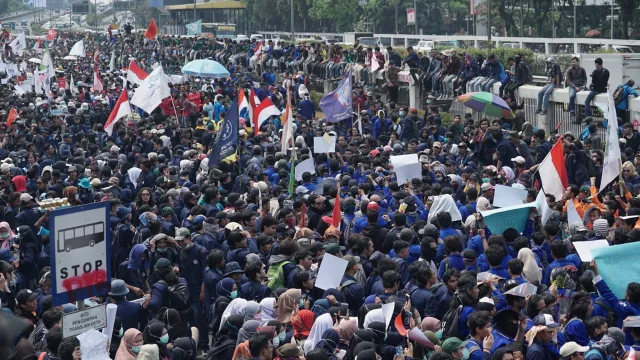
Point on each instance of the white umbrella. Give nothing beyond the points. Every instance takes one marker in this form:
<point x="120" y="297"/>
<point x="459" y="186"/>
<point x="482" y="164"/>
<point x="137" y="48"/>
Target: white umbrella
<point x="35" y="60"/>
<point x="70" y="57"/>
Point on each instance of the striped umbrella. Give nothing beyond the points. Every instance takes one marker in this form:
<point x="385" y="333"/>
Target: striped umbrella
<point x="487" y="103"/>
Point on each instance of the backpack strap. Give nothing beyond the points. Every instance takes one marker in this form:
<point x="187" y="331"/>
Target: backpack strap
<point x="346" y="284"/>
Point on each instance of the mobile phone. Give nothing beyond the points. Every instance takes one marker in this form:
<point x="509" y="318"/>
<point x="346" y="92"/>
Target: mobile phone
<point x="344" y="310"/>
<point x="340" y="355"/>
<point x="399" y="350"/>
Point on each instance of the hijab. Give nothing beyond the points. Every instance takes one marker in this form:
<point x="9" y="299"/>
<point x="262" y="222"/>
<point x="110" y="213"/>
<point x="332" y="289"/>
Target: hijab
<point x="149" y="352"/>
<point x="430" y="323"/>
<point x="320" y="307"/>
<point x="378" y="329"/>
<point x="362" y="347"/>
<point x="509" y="172"/>
<point x="322" y="323"/>
<point x="130" y="337"/>
<point x="364" y="310"/>
<point x="373" y="316"/>
<point x="531" y="272"/>
<point x="135" y="258"/>
<point x="183" y="349"/>
<point x="249" y="329"/>
<point x="6" y="228"/>
<point x="250" y="310"/>
<point x="228" y="335"/>
<point x="288" y="304"/>
<point x="152" y="334"/>
<point x="267" y="311"/>
<point x="224" y="287"/>
<point x="302" y="323"/>
<point x="330" y="341"/>
<point x="346" y="329"/>
<point x="236" y="306"/>
<point x="368" y="354"/>
<point x="360" y="336"/>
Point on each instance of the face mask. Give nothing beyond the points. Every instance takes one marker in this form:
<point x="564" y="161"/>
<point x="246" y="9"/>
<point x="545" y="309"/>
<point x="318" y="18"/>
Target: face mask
<point x="301" y="304"/>
<point x="162" y="250"/>
<point x="282" y="336"/>
<point x="135" y="349"/>
<point x="439" y="334"/>
<point x="276" y="342"/>
<point x="164" y="339"/>
<point x="5" y="235"/>
<point x="401" y="113"/>
<point x="121" y="332"/>
<point x="234" y="294"/>
<point x="485" y="180"/>
<point x="12" y="283"/>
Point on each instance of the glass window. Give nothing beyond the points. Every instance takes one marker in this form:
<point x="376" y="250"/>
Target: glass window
<point x="68" y="234"/>
<point x="79" y="232"/>
<point x="60" y="235"/>
<point x="88" y="230"/>
<point x="99" y="227"/>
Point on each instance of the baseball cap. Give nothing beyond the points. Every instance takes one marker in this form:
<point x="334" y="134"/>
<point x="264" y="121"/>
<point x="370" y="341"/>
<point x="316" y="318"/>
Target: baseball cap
<point x="198" y="219"/>
<point x="352" y="260"/>
<point x="572" y="347"/>
<point x="233" y="226"/>
<point x="25" y="198"/>
<point x="303" y="243"/>
<point x="518" y="159"/>
<point x="167" y="210"/>
<point x="333" y="248"/>
<point x="182" y="233"/>
<point x="162" y="263"/>
<point x="302" y="190"/>
<point x="450" y="345"/>
<point x="374" y="152"/>
<point x="25" y="295"/>
<point x="487" y="186"/>
<point x="545" y="320"/>
<point x="264" y="239"/>
<point x="373" y="206"/>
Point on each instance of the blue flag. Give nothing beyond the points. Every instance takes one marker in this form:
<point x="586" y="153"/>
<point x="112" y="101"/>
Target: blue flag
<point x="226" y="142"/>
<point x="337" y="105"/>
<point x="195" y="28"/>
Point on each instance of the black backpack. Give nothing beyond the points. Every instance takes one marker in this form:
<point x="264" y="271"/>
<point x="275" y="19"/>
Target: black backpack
<point x="612" y="316"/>
<point x="450" y="322"/>
<point x="178" y="296"/>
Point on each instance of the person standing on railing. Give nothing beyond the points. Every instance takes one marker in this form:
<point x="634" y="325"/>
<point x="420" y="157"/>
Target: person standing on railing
<point x="622" y="100"/>
<point x="554" y="78"/>
<point x="576" y="80"/>
<point x="599" y="82"/>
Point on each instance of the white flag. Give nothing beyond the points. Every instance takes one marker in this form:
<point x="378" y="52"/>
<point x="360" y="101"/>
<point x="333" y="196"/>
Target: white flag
<point x="18" y="44"/>
<point x="46" y="61"/>
<point x="112" y="63"/>
<point x="611" y="164"/>
<point x="72" y="86"/>
<point x="78" y="49"/>
<point x="543" y="207"/>
<point x="151" y="91"/>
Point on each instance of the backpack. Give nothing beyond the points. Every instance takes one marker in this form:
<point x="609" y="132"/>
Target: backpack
<point x="345" y="285"/>
<point x="179" y="298"/>
<point x="618" y="95"/>
<point x="276" y="275"/>
<point x="592" y="168"/>
<point x="348" y="226"/>
<point x="434" y="289"/>
<point x="450" y="322"/>
<point x="612" y="316"/>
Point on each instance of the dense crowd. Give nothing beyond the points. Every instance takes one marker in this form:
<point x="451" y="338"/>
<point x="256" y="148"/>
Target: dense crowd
<point x="220" y="261"/>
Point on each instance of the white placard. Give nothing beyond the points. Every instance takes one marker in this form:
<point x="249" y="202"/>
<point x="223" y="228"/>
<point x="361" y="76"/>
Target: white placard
<point x="331" y="272"/>
<point x="406" y="167"/>
<point x="77" y="322"/>
<point x="543" y="207"/>
<point x="584" y="248"/>
<point x="572" y="214"/>
<point x="508" y="196"/>
<point x="305" y="166"/>
<point x="324" y="144"/>
<point x="387" y="310"/>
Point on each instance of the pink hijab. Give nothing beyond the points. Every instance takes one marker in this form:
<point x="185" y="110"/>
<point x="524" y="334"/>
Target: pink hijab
<point x="130" y="337"/>
<point x="431" y="324"/>
<point x="6" y="228"/>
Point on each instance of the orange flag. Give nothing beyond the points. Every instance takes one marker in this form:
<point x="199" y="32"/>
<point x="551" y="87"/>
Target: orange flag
<point x="336" y="218"/>
<point x="400" y="325"/>
<point x="152" y="31"/>
<point x="13" y="114"/>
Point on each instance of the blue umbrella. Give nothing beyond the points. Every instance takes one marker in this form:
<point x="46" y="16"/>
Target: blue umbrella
<point x="205" y="68"/>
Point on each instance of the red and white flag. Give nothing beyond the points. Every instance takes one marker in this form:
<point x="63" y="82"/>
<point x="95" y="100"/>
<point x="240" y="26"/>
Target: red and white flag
<point x="553" y="172"/>
<point x="51" y="34"/>
<point x="96" y="55"/>
<point x="258" y="51"/>
<point x="287" y="125"/>
<point x="97" y="82"/>
<point x="254" y="101"/>
<point x="243" y="103"/>
<point x="262" y="112"/>
<point x="135" y="74"/>
<point x="37" y="44"/>
<point x="120" y="110"/>
<point x="152" y="31"/>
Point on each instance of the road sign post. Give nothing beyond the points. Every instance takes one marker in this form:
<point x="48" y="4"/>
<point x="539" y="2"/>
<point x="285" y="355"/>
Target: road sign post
<point x="80" y="252"/>
<point x="77" y="322"/>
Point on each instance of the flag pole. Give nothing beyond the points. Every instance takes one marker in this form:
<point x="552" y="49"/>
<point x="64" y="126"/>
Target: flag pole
<point x="174" y="108"/>
<point x="620" y="179"/>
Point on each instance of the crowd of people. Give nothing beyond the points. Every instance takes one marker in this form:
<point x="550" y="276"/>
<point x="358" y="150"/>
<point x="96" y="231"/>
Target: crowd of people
<point x="220" y="261"/>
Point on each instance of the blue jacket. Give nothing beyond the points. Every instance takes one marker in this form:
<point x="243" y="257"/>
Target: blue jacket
<point x="132" y="314"/>
<point x="454" y="261"/>
<point x="402" y="267"/>
<point x="254" y="290"/>
<point x="624" y="309"/>
<point x="206" y="241"/>
<point x="626" y="92"/>
<point x="575" y="330"/>
<point x="353" y="294"/>
<point x="476" y="351"/>
<point x="425" y="302"/>
<point x="192" y="267"/>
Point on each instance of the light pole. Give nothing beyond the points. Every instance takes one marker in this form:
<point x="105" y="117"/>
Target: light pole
<point x="574" y="19"/>
<point x="489" y="26"/>
<point x="293" y="26"/>
<point x="415" y="15"/>
<point x="611" y="19"/>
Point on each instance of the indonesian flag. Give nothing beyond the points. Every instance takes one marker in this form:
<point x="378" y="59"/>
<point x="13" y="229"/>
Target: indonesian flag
<point x="254" y="101"/>
<point x="336" y="217"/>
<point x="258" y="51"/>
<point x="51" y="34"/>
<point x="243" y="103"/>
<point x="135" y="74"/>
<point x="263" y="111"/>
<point x="553" y="172"/>
<point x="96" y="55"/>
<point x="120" y="110"/>
<point x="37" y="44"/>
<point x="13" y="114"/>
<point x="287" y="125"/>
<point x="97" y="82"/>
<point x="152" y="31"/>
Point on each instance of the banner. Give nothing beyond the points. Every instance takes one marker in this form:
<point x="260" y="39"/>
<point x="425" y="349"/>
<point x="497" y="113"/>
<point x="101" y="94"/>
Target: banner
<point x="499" y="220"/>
<point x="336" y="105"/>
<point x="195" y="28"/>
<point x="411" y="16"/>
<point x="618" y="266"/>
<point x="227" y="141"/>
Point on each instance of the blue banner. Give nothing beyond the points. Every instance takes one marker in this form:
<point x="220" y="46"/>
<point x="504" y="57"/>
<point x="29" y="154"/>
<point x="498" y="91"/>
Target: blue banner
<point x="337" y="104"/>
<point x="227" y="141"/>
<point x="195" y="28"/>
<point x="499" y="220"/>
<point x="618" y="266"/>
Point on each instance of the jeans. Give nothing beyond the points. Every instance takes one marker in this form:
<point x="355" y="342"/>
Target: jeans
<point x="587" y="103"/>
<point x="487" y="85"/>
<point x="200" y="321"/>
<point x="447" y="84"/>
<point x="471" y="85"/>
<point x="544" y="94"/>
<point x="572" y="99"/>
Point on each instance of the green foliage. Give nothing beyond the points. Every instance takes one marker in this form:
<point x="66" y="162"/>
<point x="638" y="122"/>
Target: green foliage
<point x="36" y="29"/>
<point x="316" y="97"/>
<point x="93" y="19"/>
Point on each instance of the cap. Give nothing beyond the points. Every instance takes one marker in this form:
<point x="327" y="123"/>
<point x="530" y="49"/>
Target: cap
<point x="452" y="344"/>
<point x="487" y="186"/>
<point x="122" y="212"/>
<point x="333" y="248"/>
<point x="302" y="190"/>
<point x="518" y="159"/>
<point x="304" y="243"/>
<point x="162" y="263"/>
<point x="167" y="210"/>
<point x="572" y="347"/>
<point x="352" y="260"/>
<point x="289" y="351"/>
<point x="233" y="226"/>
<point x="545" y="320"/>
<point x="232" y="268"/>
<point x="374" y="152"/>
<point x="265" y="239"/>
<point x="114" y="148"/>
<point x="373" y="206"/>
<point x="25" y="295"/>
<point x="182" y="233"/>
<point x="85" y="183"/>
<point x="585" y="189"/>
<point x="118" y="288"/>
<point x="315" y="246"/>
<point x="198" y="219"/>
<point x="72" y="168"/>
<point x="24" y="198"/>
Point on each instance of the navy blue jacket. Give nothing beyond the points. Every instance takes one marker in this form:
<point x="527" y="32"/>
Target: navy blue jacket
<point x="353" y="294"/>
<point x="192" y="264"/>
<point x="425" y="302"/>
<point x="254" y="290"/>
<point x="132" y="314"/>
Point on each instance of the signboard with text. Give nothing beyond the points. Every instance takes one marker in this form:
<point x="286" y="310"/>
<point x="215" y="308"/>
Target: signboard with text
<point x="77" y="322"/>
<point x="411" y="16"/>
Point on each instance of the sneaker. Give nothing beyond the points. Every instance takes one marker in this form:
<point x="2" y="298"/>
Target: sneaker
<point x="538" y="111"/>
<point x="543" y="112"/>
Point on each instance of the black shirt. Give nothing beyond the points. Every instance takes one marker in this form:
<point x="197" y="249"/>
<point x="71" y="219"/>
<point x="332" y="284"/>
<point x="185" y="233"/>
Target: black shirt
<point x="599" y="79"/>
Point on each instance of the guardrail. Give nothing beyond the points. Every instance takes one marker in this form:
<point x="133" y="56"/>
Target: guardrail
<point x="542" y="45"/>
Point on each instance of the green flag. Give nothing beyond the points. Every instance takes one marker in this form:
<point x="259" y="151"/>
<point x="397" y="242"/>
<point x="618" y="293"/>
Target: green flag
<point x="292" y="178"/>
